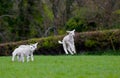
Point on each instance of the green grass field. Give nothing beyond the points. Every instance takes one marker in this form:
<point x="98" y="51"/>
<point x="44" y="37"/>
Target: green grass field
<point x="62" y="67"/>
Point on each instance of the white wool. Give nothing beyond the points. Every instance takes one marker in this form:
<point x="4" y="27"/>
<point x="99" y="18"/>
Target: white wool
<point x="68" y="42"/>
<point x="24" y="50"/>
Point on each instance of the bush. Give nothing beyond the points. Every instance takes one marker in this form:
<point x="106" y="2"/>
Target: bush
<point x="98" y="40"/>
<point x="94" y="42"/>
<point x="77" y="24"/>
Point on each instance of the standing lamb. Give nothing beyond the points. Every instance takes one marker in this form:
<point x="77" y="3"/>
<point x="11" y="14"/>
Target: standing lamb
<point x="68" y="42"/>
<point x="24" y="50"/>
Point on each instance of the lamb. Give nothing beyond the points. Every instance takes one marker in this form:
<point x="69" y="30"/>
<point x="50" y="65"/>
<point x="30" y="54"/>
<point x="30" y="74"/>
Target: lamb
<point x="24" y="50"/>
<point x="68" y="42"/>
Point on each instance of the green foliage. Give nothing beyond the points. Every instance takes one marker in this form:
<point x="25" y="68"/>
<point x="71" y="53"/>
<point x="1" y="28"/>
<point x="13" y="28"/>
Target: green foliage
<point x="117" y="12"/>
<point x="76" y="23"/>
<point x="5" y="6"/>
<point x="81" y="12"/>
<point x="48" y="12"/>
<point x="90" y="43"/>
<point x="32" y="31"/>
<point x="37" y="17"/>
<point x="49" y="42"/>
<point x="24" y="19"/>
<point x="80" y="20"/>
<point x="62" y="31"/>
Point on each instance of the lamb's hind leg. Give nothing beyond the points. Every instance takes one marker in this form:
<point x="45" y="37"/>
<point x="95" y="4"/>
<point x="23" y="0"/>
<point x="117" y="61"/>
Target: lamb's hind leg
<point x="69" y="49"/>
<point x="65" y="48"/>
<point x="72" y="48"/>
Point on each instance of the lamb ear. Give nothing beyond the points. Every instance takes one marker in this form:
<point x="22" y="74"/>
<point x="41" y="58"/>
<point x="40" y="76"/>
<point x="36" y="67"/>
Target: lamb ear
<point x="74" y="30"/>
<point x="36" y="43"/>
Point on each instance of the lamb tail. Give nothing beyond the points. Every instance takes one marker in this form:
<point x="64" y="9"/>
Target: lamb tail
<point x="60" y="42"/>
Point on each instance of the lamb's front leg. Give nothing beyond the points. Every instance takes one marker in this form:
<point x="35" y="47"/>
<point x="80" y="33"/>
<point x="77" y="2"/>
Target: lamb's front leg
<point x="69" y="49"/>
<point x="73" y="47"/>
<point x="32" y="58"/>
<point x="74" y="50"/>
<point x="13" y="57"/>
<point x="28" y="57"/>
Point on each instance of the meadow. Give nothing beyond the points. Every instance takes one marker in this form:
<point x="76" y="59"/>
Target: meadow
<point x="78" y="66"/>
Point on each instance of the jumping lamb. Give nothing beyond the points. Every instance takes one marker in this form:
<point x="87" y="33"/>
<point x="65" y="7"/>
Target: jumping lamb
<point x="68" y="42"/>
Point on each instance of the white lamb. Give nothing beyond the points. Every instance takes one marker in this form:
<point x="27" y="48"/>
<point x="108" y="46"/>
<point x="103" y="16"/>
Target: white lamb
<point x="24" y="50"/>
<point x="29" y="50"/>
<point x="68" y="42"/>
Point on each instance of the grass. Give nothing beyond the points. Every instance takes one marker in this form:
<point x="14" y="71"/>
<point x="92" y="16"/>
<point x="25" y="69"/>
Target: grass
<point x="62" y="67"/>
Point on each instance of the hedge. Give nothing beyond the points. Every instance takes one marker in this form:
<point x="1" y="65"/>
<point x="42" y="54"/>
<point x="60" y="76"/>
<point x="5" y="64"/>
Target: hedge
<point x="90" y="42"/>
<point x="98" y="41"/>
